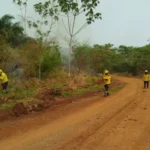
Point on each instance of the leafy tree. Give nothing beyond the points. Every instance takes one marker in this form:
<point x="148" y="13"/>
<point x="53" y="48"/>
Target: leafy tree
<point x="51" y="60"/>
<point x="30" y="54"/>
<point x="9" y="31"/>
<point x="94" y="59"/>
<point x="44" y="26"/>
<point x="23" y="9"/>
<point x="141" y="59"/>
<point x="4" y="53"/>
<point x="47" y="17"/>
<point x="72" y="10"/>
<point x="101" y="57"/>
<point x="81" y="57"/>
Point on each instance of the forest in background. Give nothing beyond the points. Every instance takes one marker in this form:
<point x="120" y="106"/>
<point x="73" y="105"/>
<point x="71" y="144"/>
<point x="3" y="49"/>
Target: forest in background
<point x="22" y="55"/>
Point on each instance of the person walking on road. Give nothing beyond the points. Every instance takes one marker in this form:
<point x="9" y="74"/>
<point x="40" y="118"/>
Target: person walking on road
<point x="146" y="78"/>
<point x="107" y="82"/>
<point x="4" y="81"/>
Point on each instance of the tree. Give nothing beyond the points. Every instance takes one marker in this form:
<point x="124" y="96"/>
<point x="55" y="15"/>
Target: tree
<point x="125" y="51"/>
<point x="141" y="59"/>
<point x="81" y="57"/>
<point x="4" y="53"/>
<point x="44" y="26"/>
<point x="47" y="17"/>
<point x="95" y="59"/>
<point x="23" y="9"/>
<point x="51" y="60"/>
<point x="9" y="31"/>
<point x="72" y="10"/>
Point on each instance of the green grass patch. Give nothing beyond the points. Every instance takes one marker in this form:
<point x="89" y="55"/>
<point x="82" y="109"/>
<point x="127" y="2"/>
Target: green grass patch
<point x="93" y="88"/>
<point x="16" y="95"/>
<point x="81" y="91"/>
<point x="9" y="105"/>
<point x="19" y="93"/>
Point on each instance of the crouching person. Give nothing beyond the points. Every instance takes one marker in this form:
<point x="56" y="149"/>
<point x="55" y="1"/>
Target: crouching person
<point x="4" y="81"/>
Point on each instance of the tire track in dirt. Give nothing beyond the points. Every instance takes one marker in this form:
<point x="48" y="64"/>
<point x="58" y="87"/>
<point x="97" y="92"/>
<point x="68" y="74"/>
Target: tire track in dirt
<point x="117" y="116"/>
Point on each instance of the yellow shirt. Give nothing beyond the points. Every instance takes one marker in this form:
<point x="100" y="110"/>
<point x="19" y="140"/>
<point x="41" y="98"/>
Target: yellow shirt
<point x="146" y="77"/>
<point x="3" y="77"/>
<point x="107" y="79"/>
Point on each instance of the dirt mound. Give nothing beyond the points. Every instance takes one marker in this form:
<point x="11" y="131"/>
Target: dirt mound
<point x="46" y="96"/>
<point x="39" y="107"/>
<point x="19" y="109"/>
<point x="46" y="93"/>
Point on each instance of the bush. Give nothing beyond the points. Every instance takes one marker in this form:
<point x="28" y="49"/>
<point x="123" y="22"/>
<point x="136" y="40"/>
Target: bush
<point x="50" y="61"/>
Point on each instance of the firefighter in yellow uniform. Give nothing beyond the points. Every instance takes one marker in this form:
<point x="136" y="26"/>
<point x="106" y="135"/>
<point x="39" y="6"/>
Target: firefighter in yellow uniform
<point x="146" y="78"/>
<point x="4" y="81"/>
<point x="107" y="82"/>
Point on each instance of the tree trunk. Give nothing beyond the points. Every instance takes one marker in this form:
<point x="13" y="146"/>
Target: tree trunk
<point x="40" y="67"/>
<point x="40" y="70"/>
<point x="69" y="57"/>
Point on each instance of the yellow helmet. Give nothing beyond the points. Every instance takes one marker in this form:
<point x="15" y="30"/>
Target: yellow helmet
<point x="106" y="71"/>
<point x="146" y="71"/>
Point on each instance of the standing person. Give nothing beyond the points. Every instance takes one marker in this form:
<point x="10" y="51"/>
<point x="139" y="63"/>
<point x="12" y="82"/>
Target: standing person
<point x="4" y="81"/>
<point x="146" y="78"/>
<point x="107" y="82"/>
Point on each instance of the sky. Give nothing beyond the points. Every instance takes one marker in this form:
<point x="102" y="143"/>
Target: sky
<point x="124" y="22"/>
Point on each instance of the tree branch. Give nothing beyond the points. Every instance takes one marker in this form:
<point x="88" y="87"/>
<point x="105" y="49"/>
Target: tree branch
<point x="64" y="38"/>
<point x="74" y="19"/>
<point x="65" y="26"/>
<point x="69" y="24"/>
<point x="82" y="27"/>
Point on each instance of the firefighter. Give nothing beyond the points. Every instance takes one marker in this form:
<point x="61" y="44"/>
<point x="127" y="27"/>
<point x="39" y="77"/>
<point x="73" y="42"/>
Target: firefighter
<point x="146" y="78"/>
<point x="107" y="82"/>
<point x="4" y="81"/>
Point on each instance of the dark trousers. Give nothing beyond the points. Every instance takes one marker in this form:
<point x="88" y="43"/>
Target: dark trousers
<point x="146" y="84"/>
<point x="106" y="87"/>
<point x="4" y="86"/>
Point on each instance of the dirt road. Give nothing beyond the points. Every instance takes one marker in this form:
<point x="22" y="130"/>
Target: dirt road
<point x="118" y="122"/>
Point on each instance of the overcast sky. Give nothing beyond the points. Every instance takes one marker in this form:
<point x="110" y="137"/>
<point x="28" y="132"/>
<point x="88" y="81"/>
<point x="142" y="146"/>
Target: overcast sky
<point x="124" y="22"/>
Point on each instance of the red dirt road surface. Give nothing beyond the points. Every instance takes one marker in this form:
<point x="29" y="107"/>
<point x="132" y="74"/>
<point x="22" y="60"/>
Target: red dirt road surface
<point x="118" y="122"/>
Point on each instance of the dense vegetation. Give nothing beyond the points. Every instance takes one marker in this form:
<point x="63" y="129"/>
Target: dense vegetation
<point x="29" y="56"/>
<point x="122" y="59"/>
<point x="36" y="62"/>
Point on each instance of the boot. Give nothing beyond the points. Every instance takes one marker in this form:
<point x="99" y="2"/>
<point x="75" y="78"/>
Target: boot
<point x="105" y="93"/>
<point x="5" y="91"/>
